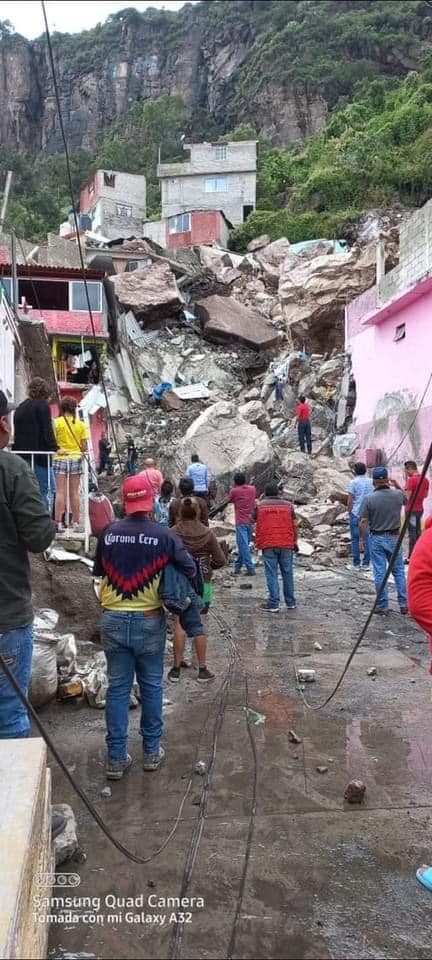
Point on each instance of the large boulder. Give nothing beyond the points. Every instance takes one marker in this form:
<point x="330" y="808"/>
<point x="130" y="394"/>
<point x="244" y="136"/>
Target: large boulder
<point x="225" y="319"/>
<point x="255" y="412"/>
<point x="151" y="293"/>
<point x="258" y="242"/>
<point x="226" y="442"/>
<point x="314" y="292"/>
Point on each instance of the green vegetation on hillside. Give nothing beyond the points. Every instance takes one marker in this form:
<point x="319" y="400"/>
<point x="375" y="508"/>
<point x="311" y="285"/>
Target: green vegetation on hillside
<point x="369" y="59"/>
<point x="374" y="152"/>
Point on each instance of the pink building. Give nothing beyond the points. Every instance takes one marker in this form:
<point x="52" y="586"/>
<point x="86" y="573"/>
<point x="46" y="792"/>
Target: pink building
<point x="197" y="227"/>
<point x="57" y="296"/>
<point x="388" y="334"/>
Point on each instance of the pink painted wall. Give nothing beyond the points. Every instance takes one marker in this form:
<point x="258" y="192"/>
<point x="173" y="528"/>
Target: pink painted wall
<point x="88" y="199"/>
<point x="207" y="226"/>
<point x="382" y="367"/>
<point x="70" y="321"/>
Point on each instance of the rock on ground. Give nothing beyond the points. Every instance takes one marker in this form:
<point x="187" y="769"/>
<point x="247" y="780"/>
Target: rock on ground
<point x="151" y="293"/>
<point x="225" y="319"/>
<point x="226" y="442"/>
<point x="66" y="844"/>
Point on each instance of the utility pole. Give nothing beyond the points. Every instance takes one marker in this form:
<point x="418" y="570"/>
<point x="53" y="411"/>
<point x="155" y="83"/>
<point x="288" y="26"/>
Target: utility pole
<point x="5" y="198"/>
<point x="14" y="273"/>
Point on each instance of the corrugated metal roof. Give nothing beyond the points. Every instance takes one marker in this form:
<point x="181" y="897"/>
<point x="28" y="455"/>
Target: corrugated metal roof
<point x="38" y="270"/>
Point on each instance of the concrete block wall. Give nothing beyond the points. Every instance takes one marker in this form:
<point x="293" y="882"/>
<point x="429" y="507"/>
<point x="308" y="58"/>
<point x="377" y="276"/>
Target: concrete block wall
<point x="25" y="849"/>
<point x="188" y="193"/>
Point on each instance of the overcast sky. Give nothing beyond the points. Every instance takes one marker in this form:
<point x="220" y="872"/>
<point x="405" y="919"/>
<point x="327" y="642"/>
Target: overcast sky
<point x="69" y="17"/>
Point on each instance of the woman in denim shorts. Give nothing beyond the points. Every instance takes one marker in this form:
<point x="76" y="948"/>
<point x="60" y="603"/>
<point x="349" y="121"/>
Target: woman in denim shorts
<point x="71" y="436"/>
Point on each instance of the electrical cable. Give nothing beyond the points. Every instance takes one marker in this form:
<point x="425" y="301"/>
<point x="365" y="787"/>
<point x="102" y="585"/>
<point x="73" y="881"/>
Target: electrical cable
<point x="78" y="238"/>
<point x="408" y="431"/>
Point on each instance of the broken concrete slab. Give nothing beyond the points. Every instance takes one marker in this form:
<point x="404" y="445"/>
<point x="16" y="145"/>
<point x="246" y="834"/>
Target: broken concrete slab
<point x="192" y="391"/>
<point x="225" y="319"/>
<point x="151" y="292"/>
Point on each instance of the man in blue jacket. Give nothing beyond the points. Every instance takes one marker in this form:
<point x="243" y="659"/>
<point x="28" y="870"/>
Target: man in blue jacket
<point x="131" y="557"/>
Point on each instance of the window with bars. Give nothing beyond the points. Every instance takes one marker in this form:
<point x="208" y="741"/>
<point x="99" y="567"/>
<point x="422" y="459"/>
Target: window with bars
<point x="221" y="152"/>
<point x="123" y="210"/>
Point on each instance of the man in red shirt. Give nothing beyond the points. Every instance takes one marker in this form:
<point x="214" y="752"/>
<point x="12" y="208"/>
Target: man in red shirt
<point x="243" y="496"/>
<point x="154" y="476"/>
<point x="276" y="536"/>
<point x="304" y="425"/>
<point x="415" y="503"/>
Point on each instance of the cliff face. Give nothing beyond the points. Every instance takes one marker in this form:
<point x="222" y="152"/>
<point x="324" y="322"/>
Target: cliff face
<point x="140" y="61"/>
<point x="134" y="66"/>
<point x="279" y="64"/>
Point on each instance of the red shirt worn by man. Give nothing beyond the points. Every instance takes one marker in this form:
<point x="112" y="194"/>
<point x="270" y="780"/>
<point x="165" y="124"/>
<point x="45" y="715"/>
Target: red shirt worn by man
<point x="154" y="477"/>
<point x="243" y="497"/>
<point x="303" y="411"/>
<point x="412" y="481"/>
<point x="420" y="584"/>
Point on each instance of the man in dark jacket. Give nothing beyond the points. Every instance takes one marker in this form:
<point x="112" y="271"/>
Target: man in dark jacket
<point x="25" y="525"/>
<point x="33" y="430"/>
<point x="276" y="536"/>
<point x="131" y="557"/>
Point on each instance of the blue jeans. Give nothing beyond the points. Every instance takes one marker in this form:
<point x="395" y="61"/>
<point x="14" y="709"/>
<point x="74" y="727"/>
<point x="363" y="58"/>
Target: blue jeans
<point x="16" y="647"/>
<point x="355" y="543"/>
<point x="244" y="556"/>
<point x="131" y="469"/>
<point x="47" y="492"/>
<point x="305" y="435"/>
<point x="133" y="643"/>
<point x="283" y="558"/>
<point x="381" y="549"/>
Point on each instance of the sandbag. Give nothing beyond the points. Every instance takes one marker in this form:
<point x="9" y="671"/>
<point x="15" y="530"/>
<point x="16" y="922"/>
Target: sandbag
<point x="43" y="682"/>
<point x="101" y="512"/>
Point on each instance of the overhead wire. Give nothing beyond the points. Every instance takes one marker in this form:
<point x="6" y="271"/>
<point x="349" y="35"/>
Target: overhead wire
<point x="76" y="223"/>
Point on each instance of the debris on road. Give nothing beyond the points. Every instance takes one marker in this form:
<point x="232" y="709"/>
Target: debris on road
<point x="66" y="844"/>
<point x="106" y="792"/>
<point x="355" y="791"/>
<point x="372" y="672"/>
<point x="305" y="676"/>
<point x="293" y="738"/>
<point x="320" y="769"/>
<point x="200" y="768"/>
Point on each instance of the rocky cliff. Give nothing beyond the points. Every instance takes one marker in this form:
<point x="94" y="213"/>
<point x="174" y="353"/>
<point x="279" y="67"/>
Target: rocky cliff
<point x="279" y="64"/>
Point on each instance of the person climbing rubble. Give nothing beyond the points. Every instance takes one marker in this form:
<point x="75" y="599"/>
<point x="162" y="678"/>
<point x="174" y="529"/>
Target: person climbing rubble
<point x="131" y="456"/>
<point x="130" y="558"/>
<point x="303" y="414"/>
<point x="26" y="528"/>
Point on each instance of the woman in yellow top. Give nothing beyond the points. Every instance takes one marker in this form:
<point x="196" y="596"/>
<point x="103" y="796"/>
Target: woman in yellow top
<point x="71" y="436"/>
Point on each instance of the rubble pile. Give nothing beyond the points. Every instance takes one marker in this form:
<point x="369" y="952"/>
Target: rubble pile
<point x="204" y="334"/>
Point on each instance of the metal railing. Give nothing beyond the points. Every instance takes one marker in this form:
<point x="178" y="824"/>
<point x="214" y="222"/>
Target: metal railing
<point x="46" y="479"/>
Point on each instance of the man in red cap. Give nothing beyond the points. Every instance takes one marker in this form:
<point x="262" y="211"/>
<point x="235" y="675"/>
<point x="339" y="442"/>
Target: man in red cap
<point x="130" y="559"/>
